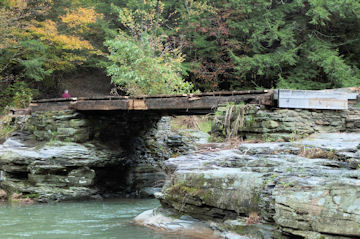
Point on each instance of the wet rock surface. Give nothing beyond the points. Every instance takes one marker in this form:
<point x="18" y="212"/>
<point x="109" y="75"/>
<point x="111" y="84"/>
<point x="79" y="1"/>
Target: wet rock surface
<point x="169" y="221"/>
<point x="307" y="189"/>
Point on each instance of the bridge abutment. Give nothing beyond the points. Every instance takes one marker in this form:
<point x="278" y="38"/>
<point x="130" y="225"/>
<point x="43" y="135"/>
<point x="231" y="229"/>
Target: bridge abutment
<point x="255" y="122"/>
<point x="67" y="155"/>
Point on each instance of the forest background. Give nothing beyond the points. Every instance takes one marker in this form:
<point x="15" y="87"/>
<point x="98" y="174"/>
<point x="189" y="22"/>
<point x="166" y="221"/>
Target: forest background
<point x="177" y="46"/>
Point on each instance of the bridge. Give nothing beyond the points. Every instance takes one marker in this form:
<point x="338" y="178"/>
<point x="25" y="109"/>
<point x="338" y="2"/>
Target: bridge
<point x="204" y="103"/>
<point x="165" y="104"/>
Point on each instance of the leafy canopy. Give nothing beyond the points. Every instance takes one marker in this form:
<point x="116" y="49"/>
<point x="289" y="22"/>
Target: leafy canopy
<point x="298" y="44"/>
<point x="145" y="62"/>
<point x="165" y="47"/>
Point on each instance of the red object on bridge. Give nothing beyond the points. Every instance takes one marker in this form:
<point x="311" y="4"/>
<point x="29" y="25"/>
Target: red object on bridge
<point x="66" y="95"/>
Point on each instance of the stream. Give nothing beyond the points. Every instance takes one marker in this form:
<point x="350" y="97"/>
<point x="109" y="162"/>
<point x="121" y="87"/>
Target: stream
<point x="109" y="219"/>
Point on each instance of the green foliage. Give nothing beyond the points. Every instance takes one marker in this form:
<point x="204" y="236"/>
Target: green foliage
<point x="35" y="60"/>
<point x="145" y="63"/>
<point x="156" y="46"/>
<point x="33" y="69"/>
<point x="140" y="71"/>
<point x="201" y="29"/>
<point x="298" y="44"/>
<point x="17" y="95"/>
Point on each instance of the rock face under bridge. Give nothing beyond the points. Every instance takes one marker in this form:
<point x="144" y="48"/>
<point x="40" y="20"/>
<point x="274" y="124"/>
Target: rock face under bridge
<point x="65" y="155"/>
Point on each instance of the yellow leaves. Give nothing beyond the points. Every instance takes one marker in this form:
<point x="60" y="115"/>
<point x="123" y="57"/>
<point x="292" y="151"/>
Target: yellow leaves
<point x="44" y="30"/>
<point x="196" y="8"/>
<point x="73" y="58"/>
<point x="67" y="61"/>
<point x="127" y="18"/>
<point x="73" y="43"/>
<point x="81" y="18"/>
<point x="64" y="47"/>
<point x="47" y="31"/>
<point x="8" y="42"/>
<point x="17" y="3"/>
<point x="147" y="15"/>
<point x="78" y="19"/>
<point x="9" y="29"/>
<point x="14" y="19"/>
<point x="22" y="6"/>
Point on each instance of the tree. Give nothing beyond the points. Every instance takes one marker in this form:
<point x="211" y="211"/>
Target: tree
<point x="37" y="46"/>
<point x="158" y="46"/>
<point x="297" y="44"/>
<point x="144" y="60"/>
<point x="200" y="29"/>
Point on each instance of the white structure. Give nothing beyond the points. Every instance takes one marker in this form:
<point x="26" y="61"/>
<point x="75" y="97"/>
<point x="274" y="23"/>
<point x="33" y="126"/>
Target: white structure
<point x="313" y="99"/>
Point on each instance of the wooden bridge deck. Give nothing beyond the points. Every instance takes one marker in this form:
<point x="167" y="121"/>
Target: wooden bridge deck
<point x="172" y="104"/>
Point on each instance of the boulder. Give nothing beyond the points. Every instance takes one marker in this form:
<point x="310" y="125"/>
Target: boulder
<point x="165" y="220"/>
<point x="3" y="196"/>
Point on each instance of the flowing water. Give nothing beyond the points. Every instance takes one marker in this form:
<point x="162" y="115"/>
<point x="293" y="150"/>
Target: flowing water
<point x="78" y="220"/>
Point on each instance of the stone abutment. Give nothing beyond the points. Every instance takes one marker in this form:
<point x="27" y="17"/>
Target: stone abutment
<point x="67" y="155"/>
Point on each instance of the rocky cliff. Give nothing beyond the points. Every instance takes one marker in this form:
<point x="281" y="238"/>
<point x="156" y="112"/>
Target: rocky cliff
<point x="258" y="122"/>
<point x="66" y="155"/>
<point x="306" y="189"/>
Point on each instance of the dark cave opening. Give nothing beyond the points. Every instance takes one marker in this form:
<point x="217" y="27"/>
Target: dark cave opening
<point x="17" y="175"/>
<point x="112" y="181"/>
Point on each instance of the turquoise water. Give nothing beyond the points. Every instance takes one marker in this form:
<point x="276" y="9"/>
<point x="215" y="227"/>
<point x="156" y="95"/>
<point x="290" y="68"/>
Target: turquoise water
<point x="78" y="220"/>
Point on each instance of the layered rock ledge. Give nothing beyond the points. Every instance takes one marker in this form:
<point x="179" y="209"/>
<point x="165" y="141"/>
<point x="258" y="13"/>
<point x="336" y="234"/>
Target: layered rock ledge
<point x="258" y="122"/>
<point x="67" y="155"/>
<point x="307" y="189"/>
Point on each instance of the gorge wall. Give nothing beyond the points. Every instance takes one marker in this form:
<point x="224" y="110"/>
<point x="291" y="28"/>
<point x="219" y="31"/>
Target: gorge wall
<point x="65" y="155"/>
<point x="307" y="187"/>
<point x="273" y="124"/>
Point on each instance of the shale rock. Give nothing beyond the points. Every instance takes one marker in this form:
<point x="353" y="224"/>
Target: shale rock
<point x="258" y="122"/>
<point x="311" y="195"/>
<point x="123" y="158"/>
<point x="56" y="170"/>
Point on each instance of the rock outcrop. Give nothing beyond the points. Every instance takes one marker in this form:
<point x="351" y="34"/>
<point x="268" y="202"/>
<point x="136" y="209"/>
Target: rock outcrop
<point x="72" y="156"/>
<point x="56" y="170"/>
<point x="258" y="122"/>
<point x="307" y="189"/>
